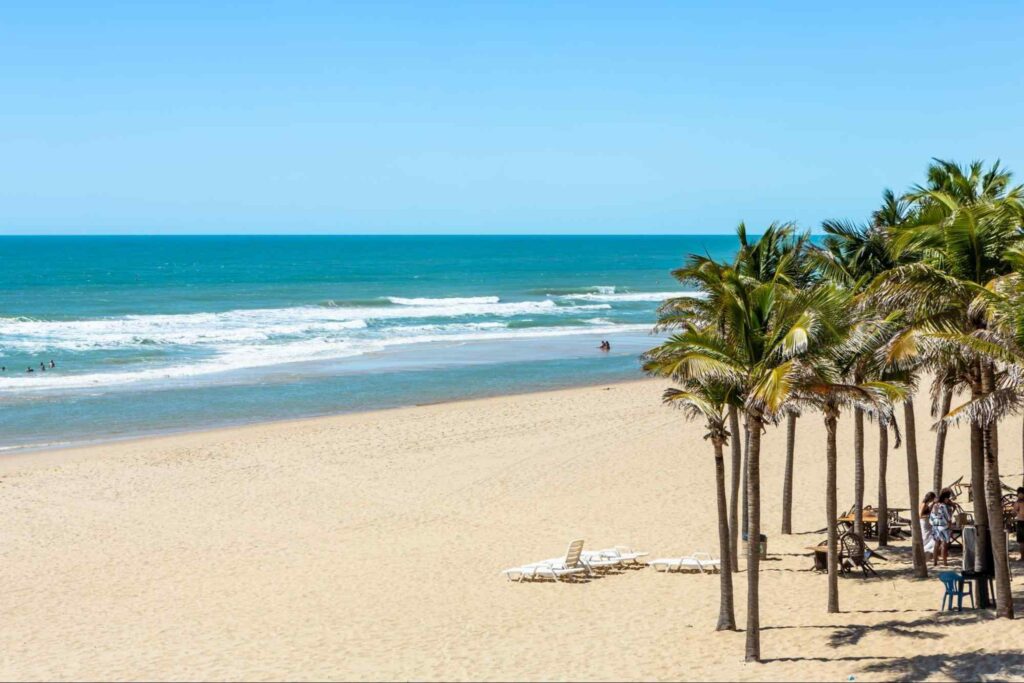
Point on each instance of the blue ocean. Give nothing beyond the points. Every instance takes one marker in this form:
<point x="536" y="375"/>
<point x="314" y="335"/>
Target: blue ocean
<point x="156" y="334"/>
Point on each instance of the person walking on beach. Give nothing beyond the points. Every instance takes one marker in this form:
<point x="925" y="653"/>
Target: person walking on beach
<point x="1018" y="507"/>
<point x="941" y="517"/>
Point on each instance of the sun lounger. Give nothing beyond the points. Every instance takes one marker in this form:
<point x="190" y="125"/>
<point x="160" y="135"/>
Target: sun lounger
<point x="621" y="555"/>
<point x="696" y="562"/>
<point x="555" y="568"/>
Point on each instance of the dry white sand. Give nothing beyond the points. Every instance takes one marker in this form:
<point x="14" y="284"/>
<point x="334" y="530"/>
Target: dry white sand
<point x="369" y="547"/>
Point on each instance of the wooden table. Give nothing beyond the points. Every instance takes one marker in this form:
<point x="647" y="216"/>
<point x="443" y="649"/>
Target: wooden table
<point x="870" y="520"/>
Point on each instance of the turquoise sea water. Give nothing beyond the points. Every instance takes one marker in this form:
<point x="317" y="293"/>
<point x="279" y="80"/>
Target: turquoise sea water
<point x="151" y="334"/>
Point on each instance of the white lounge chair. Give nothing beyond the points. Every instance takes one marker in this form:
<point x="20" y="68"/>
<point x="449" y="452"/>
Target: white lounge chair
<point x="697" y="562"/>
<point x="620" y="554"/>
<point x="599" y="559"/>
<point x="555" y="568"/>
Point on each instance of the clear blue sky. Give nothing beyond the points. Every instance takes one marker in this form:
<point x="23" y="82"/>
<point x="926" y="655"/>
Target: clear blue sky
<point x="481" y="117"/>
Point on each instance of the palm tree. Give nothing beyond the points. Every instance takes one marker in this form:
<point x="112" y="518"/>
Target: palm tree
<point x="707" y="400"/>
<point x="970" y="185"/>
<point x="779" y="255"/>
<point x="829" y="394"/>
<point x="851" y="256"/>
<point x="825" y="385"/>
<point x="746" y="334"/>
<point x="884" y="424"/>
<point x="961" y="239"/>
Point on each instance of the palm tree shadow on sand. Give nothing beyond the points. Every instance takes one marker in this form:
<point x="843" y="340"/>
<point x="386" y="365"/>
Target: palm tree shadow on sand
<point x="967" y="666"/>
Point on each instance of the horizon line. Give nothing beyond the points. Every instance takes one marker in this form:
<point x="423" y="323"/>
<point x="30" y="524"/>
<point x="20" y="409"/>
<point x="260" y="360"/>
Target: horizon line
<point x="397" y="234"/>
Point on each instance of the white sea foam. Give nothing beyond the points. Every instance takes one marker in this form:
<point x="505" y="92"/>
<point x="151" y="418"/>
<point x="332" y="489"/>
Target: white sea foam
<point x="244" y="326"/>
<point x="450" y="301"/>
<point x="629" y="296"/>
<point x="249" y="356"/>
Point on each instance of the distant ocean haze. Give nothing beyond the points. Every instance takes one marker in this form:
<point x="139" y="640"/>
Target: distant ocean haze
<point x="146" y="332"/>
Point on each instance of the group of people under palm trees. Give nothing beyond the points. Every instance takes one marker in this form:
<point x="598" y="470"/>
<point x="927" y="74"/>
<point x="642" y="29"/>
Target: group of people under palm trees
<point x="932" y="286"/>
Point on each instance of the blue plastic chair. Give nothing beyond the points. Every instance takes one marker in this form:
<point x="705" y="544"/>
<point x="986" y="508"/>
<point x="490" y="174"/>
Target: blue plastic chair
<point x="957" y="588"/>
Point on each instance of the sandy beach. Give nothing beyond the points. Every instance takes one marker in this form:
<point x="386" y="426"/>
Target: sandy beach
<point x="370" y="546"/>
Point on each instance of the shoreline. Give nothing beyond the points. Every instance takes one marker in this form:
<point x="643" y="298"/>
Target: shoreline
<point x="10" y="458"/>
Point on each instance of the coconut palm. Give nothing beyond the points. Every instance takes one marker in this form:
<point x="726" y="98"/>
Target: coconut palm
<point x="707" y="400"/>
<point x="851" y="256"/>
<point x="961" y="241"/>
<point x="969" y="185"/>
<point x="748" y="335"/>
<point x="779" y="255"/>
<point x="840" y="374"/>
<point x="1002" y="380"/>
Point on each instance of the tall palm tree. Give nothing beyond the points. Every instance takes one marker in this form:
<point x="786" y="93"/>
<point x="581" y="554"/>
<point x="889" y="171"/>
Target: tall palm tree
<point x="833" y="378"/>
<point x="746" y="334"/>
<point x="778" y="255"/>
<point x="706" y="400"/>
<point x="850" y="257"/>
<point x="1002" y="375"/>
<point x="969" y="185"/>
<point x="961" y="238"/>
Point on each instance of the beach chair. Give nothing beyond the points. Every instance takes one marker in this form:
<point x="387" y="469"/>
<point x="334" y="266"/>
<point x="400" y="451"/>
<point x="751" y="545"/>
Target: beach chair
<point x="897" y="525"/>
<point x="957" y="588"/>
<point x="697" y="562"/>
<point x="555" y="568"/>
<point x="853" y="554"/>
<point x="622" y="555"/>
<point x="599" y="560"/>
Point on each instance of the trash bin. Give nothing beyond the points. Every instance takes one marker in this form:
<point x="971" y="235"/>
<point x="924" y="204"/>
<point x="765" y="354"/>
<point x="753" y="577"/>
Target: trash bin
<point x="763" y="545"/>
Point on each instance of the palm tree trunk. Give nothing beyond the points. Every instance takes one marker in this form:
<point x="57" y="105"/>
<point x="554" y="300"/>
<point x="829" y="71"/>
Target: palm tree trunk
<point x="940" y="440"/>
<point x="787" y="481"/>
<point x="994" y="503"/>
<point x="993" y="500"/>
<point x="734" y="503"/>
<point x="753" y="644"/>
<point x="726" y="615"/>
<point x="917" y="544"/>
<point x="981" y="553"/>
<point x="883" y="493"/>
<point x="746" y="472"/>
<point x="831" y="512"/>
<point x="858" y="472"/>
<point x="980" y="508"/>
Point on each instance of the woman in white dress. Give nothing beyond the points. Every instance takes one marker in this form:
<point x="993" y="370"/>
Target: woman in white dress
<point x="926" y="526"/>
<point x="941" y="519"/>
